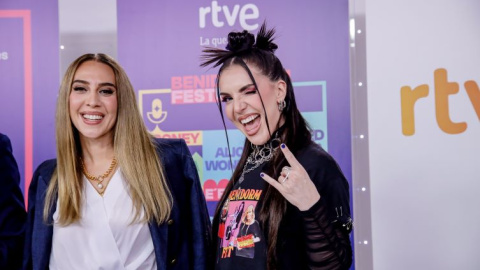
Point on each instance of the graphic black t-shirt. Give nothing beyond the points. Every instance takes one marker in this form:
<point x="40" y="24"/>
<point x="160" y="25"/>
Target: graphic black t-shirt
<point x="241" y="243"/>
<point x="316" y="238"/>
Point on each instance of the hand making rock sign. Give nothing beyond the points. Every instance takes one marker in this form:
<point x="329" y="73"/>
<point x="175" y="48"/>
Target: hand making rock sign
<point x="294" y="183"/>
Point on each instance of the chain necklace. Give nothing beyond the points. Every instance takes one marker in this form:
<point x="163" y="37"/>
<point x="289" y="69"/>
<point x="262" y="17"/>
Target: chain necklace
<point x="99" y="178"/>
<point x="259" y="155"/>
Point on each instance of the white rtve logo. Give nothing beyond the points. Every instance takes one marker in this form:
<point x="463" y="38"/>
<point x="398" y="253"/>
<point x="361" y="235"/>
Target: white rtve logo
<point x="245" y="15"/>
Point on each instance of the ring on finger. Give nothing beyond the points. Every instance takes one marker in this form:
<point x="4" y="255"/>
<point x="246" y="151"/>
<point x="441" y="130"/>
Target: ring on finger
<point x="286" y="177"/>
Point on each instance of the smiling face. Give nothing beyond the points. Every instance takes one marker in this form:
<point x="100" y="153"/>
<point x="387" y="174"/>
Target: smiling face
<point x="243" y="105"/>
<point x="250" y="214"/>
<point x="93" y="101"/>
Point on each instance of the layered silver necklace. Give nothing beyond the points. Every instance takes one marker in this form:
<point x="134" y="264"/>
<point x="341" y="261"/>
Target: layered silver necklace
<point x="260" y="154"/>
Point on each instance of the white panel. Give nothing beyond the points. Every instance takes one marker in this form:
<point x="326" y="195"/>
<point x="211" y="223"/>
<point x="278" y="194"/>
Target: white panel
<point x="425" y="188"/>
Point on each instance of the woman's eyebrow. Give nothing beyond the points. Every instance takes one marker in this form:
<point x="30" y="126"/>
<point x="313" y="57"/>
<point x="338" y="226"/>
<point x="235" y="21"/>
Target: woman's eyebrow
<point x="107" y="84"/>
<point x="101" y="84"/>
<point x="245" y="87"/>
<point x="242" y="89"/>
<point x="81" y="81"/>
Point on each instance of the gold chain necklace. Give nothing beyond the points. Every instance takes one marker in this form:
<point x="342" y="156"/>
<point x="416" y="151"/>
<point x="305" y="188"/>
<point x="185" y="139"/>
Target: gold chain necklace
<point x="99" y="178"/>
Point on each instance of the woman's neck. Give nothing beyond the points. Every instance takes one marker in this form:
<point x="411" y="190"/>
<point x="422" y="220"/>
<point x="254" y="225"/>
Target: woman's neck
<point x="275" y="136"/>
<point x="249" y="222"/>
<point x="97" y="151"/>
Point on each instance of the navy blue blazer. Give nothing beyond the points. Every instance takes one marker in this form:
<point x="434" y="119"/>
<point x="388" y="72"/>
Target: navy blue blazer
<point x="180" y="243"/>
<point x="12" y="209"/>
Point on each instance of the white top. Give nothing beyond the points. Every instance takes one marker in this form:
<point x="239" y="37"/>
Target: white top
<point x="104" y="238"/>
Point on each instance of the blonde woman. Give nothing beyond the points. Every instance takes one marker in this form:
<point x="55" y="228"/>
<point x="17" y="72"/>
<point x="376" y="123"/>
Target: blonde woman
<point x="115" y="198"/>
<point x="249" y="234"/>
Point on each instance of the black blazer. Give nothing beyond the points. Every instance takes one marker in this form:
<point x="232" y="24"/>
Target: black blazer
<point x="12" y="209"/>
<point x="180" y="243"/>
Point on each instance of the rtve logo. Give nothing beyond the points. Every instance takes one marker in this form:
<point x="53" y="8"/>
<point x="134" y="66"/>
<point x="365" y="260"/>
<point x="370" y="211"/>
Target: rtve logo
<point x="246" y="13"/>
<point x="443" y="88"/>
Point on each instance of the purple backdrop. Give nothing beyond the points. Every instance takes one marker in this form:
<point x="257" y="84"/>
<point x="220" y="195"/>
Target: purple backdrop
<point x="160" y="43"/>
<point x="29" y="67"/>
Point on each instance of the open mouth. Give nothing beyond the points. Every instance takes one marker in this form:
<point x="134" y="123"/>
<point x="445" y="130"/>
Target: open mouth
<point x="92" y="116"/>
<point x="249" y="119"/>
<point x="251" y="124"/>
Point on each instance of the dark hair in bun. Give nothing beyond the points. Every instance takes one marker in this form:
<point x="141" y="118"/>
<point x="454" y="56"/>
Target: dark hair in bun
<point x="240" y="41"/>
<point x="241" y="44"/>
<point x="243" y="49"/>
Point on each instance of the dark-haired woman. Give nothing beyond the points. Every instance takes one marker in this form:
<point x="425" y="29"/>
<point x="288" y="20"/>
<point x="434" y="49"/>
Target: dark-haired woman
<point x="297" y="191"/>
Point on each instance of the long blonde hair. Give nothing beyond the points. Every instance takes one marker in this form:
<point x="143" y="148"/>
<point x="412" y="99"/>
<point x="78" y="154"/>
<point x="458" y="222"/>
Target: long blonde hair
<point x="134" y="149"/>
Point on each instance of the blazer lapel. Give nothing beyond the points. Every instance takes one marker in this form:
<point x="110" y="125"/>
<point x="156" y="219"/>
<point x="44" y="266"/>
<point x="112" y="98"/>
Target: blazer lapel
<point x="42" y="232"/>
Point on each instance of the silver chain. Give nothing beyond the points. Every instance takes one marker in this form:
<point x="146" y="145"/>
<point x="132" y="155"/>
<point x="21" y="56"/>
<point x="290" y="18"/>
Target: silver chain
<point x="259" y="155"/>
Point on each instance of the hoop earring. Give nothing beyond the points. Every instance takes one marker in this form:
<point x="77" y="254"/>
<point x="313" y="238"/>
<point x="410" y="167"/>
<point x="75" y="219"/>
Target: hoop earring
<point x="281" y="105"/>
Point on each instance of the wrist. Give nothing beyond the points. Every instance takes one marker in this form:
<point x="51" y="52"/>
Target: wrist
<point x="310" y="204"/>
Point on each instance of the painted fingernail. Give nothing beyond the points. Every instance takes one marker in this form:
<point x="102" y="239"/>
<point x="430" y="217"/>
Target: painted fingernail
<point x="262" y="174"/>
<point x="282" y="145"/>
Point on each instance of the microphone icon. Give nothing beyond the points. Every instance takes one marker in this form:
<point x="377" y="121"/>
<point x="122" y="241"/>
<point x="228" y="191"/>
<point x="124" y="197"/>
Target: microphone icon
<point x="157" y="115"/>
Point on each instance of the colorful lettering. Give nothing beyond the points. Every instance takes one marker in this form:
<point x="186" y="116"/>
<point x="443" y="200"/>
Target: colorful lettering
<point x="227" y="252"/>
<point x="245" y="194"/>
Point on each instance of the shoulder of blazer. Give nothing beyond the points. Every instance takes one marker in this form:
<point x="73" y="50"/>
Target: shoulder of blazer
<point x="5" y="141"/>
<point x="169" y="149"/>
<point x="45" y="170"/>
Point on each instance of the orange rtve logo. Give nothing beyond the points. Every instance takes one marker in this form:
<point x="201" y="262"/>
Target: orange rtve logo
<point x="443" y="88"/>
